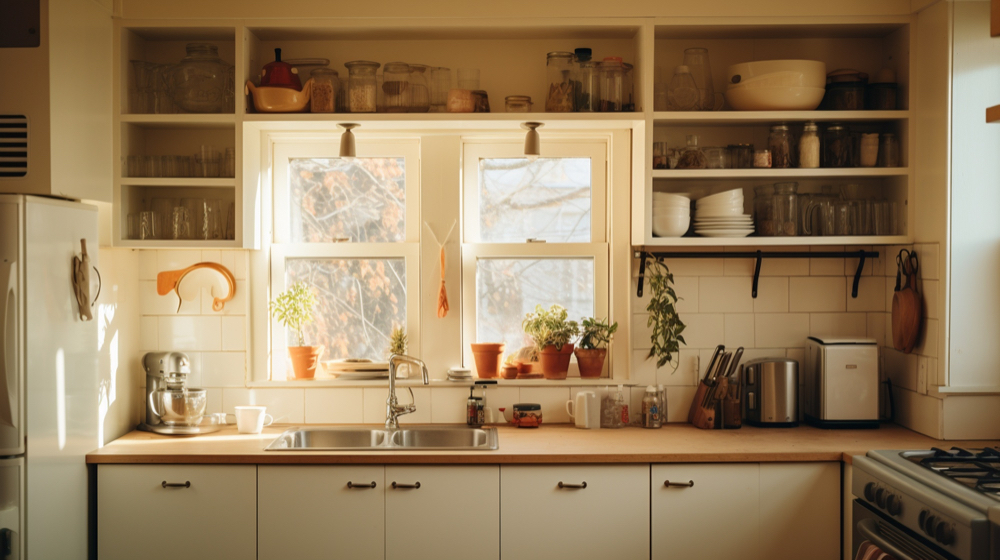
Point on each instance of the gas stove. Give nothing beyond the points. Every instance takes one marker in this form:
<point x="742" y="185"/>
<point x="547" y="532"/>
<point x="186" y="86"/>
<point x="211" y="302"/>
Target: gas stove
<point x="929" y="504"/>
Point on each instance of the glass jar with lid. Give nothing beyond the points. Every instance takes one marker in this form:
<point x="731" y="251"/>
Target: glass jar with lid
<point x="779" y="142"/>
<point x="362" y="92"/>
<point x="198" y="82"/>
<point x="764" y="211"/>
<point x="786" y="209"/>
<point x="809" y="146"/>
<point x="561" y="94"/>
<point x="888" y="150"/>
<point x="837" y="150"/>
<point x="325" y="86"/>
<point x="420" y="93"/>
<point x="692" y="157"/>
<point x="518" y="104"/>
<point x="612" y="76"/>
<point x="396" y="87"/>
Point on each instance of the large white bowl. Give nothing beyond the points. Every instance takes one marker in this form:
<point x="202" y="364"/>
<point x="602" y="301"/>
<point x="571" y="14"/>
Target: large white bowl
<point x="718" y="212"/>
<point x="670" y="226"/>
<point x="670" y="198"/>
<point x="685" y="207"/>
<point x="777" y="73"/>
<point x="733" y="194"/>
<point x="775" y="98"/>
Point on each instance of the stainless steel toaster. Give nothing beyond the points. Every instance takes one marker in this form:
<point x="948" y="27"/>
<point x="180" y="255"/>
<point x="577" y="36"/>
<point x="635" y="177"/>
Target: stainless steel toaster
<point x="771" y="392"/>
<point x="841" y="382"/>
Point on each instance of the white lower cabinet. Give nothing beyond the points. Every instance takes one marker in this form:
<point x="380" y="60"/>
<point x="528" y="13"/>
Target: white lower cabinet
<point x="320" y="512"/>
<point x="800" y="511"/>
<point x="454" y="514"/>
<point x="167" y="512"/>
<point x="574" y="511"/>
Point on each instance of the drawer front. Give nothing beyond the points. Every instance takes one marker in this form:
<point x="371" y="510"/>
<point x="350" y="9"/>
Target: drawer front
<point x="320" y="512"/>
<point x="609" y="518"/>
<point x="204" y="512"/>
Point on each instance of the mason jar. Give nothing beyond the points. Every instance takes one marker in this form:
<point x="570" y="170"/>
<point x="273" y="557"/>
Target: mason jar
<point x="362" y="92"/>
<point x="561" y="93"/>
<point x="396" y="87"/>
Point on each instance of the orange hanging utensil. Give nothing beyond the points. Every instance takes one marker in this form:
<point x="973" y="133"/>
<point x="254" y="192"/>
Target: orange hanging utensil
<point x="442" y="307"/>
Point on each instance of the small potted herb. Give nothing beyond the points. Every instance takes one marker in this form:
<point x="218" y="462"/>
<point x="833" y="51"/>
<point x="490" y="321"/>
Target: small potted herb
<point x="593" y="348"/>
<point x="293" y="308"/>
<point x="552" y="332"/>
<point x="667" y="325"/>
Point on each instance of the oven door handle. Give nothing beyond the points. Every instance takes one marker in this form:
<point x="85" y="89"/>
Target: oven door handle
<point x="869" y="530"/>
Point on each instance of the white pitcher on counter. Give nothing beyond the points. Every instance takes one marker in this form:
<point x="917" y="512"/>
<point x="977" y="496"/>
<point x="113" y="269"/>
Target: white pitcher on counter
<point x="585" y="411"/>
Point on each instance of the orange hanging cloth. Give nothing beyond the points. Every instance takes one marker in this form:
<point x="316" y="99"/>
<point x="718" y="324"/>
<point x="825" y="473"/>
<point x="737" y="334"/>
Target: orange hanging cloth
<point x="442" y="307"/>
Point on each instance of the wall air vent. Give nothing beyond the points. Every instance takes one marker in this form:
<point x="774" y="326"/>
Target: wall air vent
<point x="13" y="146"/>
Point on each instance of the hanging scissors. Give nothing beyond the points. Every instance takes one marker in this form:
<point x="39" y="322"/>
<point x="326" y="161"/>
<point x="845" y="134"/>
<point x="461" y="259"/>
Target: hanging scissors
<point x="906" y="266"/>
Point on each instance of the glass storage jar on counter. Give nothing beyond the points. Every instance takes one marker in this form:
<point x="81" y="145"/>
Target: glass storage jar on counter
<point x="197" y="83"/>
<point x="558" y="69"/>
<point x="837" y="146"/>
<point x="362" y="91"/>
<point x="396" y="87"/>
<point x="517" y="104"/>
<point x="779" y="143"/>
<point x="612" y="78"/>
<point x="325" y="86"/>
<point x="420" y="96"/>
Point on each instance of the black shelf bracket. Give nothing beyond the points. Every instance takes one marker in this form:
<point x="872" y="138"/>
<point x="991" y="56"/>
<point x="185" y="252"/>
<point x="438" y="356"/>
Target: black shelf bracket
<point x="759" y="256"/>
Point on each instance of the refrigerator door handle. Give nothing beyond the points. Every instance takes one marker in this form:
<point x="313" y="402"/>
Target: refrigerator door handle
<point x="6" y="374"/>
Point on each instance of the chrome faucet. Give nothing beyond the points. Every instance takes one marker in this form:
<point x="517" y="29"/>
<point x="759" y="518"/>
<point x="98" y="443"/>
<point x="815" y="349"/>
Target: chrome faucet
<point x="393" y="410"/>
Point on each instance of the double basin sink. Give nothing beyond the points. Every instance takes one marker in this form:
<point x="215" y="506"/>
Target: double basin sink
<point x="351" y="438"/>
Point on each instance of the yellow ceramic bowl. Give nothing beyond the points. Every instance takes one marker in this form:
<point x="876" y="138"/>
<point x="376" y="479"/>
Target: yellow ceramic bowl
<point x="279" y="100"/>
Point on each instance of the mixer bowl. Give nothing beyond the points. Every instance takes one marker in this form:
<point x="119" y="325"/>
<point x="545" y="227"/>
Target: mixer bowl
<point x="179" y="407"/>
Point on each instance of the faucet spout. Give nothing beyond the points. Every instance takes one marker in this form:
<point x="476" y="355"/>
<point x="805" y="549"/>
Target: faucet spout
<point x="393" y="410"/>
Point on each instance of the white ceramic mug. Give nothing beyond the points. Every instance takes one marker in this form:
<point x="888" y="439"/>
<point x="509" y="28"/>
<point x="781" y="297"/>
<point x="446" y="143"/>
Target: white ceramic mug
<point x="585" y="412"/>
<point x="252" y="419"/>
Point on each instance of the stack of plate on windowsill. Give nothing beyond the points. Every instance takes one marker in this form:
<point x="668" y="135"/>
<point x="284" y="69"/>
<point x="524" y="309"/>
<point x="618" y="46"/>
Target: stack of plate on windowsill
<point x="354" y="369"/>
<point x="721" y="215"/>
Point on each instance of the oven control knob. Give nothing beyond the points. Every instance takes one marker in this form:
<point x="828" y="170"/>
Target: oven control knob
<point x="870" y="491"/>
<point x="944" y="533"/>
<point x="894" y="505"/>
<point x="928" y="524"/>
<point x="880" y="497"/>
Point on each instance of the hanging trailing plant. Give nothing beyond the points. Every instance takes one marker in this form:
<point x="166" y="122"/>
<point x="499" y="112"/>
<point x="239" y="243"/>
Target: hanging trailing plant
<point x="663" y="318"/>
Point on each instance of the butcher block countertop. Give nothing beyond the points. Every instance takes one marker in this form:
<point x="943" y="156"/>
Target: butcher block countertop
<point x="675" y="443"/>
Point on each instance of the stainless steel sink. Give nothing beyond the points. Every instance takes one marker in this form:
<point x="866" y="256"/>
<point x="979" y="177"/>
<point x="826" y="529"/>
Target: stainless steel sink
<point x="348" y="438"/>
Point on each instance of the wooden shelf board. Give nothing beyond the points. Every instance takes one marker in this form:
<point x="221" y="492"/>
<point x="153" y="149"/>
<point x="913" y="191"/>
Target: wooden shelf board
<point x="176" y="244"/>
<point x="730" y="118"/>
<point x="185" y="120"/>
<point x="178" y="181"/>
<point x="775" y="241"/>
<point x="780" y="173"/>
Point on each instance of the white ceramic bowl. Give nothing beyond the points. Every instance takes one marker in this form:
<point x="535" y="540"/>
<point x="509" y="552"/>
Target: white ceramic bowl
<point x="670" y="197"/>
<point x="671" y="214"/>
<point x="738" y="204"/>
<point x="732" y="194"/>
<point x="719" y="212"/>
<point x="684" y="207"/>
<point x="777" y="73"/>
<point x="670" y="226"/>
<point x="775" y="98"/>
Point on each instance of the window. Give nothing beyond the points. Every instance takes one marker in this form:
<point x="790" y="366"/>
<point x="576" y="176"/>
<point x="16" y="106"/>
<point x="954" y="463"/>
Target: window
<point x="347" y="227"/>
<point x="535" y="234"/>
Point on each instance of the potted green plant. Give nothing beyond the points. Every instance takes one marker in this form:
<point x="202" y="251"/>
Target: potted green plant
<point x="552" y="331"/>
<point x="293" y="308"/>
<point x="593" y="348"/>
<point x="663" y="318"/>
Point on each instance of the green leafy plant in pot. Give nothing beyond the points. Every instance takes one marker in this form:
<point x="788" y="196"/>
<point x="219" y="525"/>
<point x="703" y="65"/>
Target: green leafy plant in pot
<point x="666" y="324"/>
<point x="593" y="348"/>
<point x="293" y="308"/>
<point x="552" y="333"/>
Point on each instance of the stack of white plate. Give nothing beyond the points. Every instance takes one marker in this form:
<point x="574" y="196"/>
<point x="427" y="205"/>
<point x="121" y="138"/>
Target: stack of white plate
<point x="357" y="369"/>
<point x="671" y="214"/>
<point x="721" y="215"/>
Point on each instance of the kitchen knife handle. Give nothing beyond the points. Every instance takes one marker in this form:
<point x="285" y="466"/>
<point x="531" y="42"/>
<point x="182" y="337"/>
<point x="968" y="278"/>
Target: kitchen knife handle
<point x="362" y="485"/>
<point x="573" y="486"/>
<point x="185" y="484"/>
<point x="687" y="484"/>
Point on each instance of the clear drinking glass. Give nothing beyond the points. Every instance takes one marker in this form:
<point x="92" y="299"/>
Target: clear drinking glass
<point x="696" y="59"/>
<point x="163" y="208"/>
<point x="842" y="218"/>
<point x="786" y="209"/>
<point x="231" y="221"/>
<point x="440" y="84"/>
<point x="420" y="96"/>
<point x="587" y="86"/>
<point x="716" y="157"/>
<point x="147" y="225"/>
<point x="210" y="220"/>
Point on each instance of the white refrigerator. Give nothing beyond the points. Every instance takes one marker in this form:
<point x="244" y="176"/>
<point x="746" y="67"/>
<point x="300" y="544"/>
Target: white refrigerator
<point x="49" y="382"/>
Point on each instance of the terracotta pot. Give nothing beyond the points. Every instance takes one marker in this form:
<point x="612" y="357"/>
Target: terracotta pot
<point x="305" y="359"/>
<point x="591" y="361"/>
<point x="508" y="372"/>
<point x="529" y="370"/>
<point x="489" y="357"/>
<point x="555" y="363"/>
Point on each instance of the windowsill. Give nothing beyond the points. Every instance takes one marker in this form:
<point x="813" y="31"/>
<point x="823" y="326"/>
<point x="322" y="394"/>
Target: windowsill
<point x="329" y="383"/>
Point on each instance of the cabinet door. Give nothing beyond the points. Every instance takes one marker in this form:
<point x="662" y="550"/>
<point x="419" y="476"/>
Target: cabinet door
<point x="453" y="515"/>
<point x="800" y="510"/>
<point x="609" y="518"/>
<point x="715" y="519"/>
<point x="166" y="512"/>
<point x="320" y="512"/>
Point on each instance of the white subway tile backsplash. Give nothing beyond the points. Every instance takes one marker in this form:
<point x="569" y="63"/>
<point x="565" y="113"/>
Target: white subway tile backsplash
<point x="929" y="292"/>
<point x="679" y="402"/>
<point x="927" y="344"/>
<point x="213" y="401"/>
<point x="781" y="330"/>
<point x="876" y="327"/>
<point x="695" y="267"/>
<point x="552" y="399"/>
<point x="739" y="267"/>
<point x="704" y="330"/>
<point x="784" y="267"/>
<point x="850" y="325"/>
<point x="223" y="369"/>
<point x="152" y="303"/>
<point x="871" y="294"/>
<point x="688" y="295"/>
<point x="826" y="267"/>
<point x="234" y="333"/>
<point x="287" y="406"/>
<point x="148" y="267"/>
<point x="235" y="306"/>
<point x="772" y="295"/>
<point x="506" y="397"/>
<point x="890" y="291"/>
<point x="686" y="374"/>
<point x="334" y="406"/>
<point x="448" y="405"/>
<point x="643" y="371"/>
<point x="739" y="330"/>
<point x="725" y="294"/>
<point x="176" y="260"/>
<point x="190" y="333"/>
<point x="817" y="293"/>
<point x="148" y="334"/>
<point x="641" y="331"/>
<point x="901" y="368"/>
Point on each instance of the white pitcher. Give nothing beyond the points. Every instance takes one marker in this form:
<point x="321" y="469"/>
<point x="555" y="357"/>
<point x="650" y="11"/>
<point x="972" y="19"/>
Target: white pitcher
<point x="586" y="411"/>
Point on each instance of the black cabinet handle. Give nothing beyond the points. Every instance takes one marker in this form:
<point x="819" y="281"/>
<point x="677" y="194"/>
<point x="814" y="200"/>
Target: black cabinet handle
<point x="356" y="485"/>
<point x="573" y="486"/>
<point x="687" y="484"/>
<point x="186" y="484"/>
<point x="400" y="486"/>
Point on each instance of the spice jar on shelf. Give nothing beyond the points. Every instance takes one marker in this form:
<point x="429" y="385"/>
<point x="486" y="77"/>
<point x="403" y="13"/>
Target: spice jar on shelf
<point x="762" y="159"/>
<point x="558" y="69"/>
<point x="779" y="142"/>
<point x="809" y="146"/>
<point x="420" y="97"/>
<point x="396" y="87"/>
<point x="741" y="156"/>
<point x="692" y="157"/>
<point x="837" y="146"/>
<point x="888" y="151"/>
<point x="517" y="104"/>
<point x="361" y="87"/>
<point x="325" y="85"/>
<point x="612" y="76"/>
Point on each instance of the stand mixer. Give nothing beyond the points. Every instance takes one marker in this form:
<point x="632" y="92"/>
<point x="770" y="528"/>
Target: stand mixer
<point x="171" y="406"/>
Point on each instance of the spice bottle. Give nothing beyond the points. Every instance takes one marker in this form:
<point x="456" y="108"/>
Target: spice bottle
<point x="561" y="95"/>
<point x="622" y="405"/>
<point x="323" y="97"/>
<point x="809" y="146"/>
<point x="474" y="409"/>
<point x="651" y="409"/>
<point x="762" y="158"/>
<point x="361" y="86"/>
<point x="779" y="142"/>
